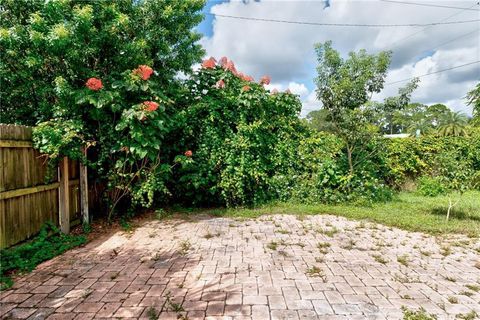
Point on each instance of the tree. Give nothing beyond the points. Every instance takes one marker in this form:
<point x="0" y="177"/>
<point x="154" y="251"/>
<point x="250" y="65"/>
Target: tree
<point x="245" y="139"/>
<point x="75" y="40"/>
<point x="344" y="86"/>
<point x="453" y="124"/>
<point x="391" y="105"/>
<point x="319" y="120"/>
<point x="473" y="99"/>
<point x="435" y="113"/>
<point x="99" y="75"/>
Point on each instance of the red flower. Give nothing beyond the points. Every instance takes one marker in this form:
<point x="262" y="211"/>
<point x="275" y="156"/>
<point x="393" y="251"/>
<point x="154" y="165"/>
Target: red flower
<point x="209" y="64"/>
<point x="247" y="78"/>
<point x="150" y="106"/>
<point x="231" y="67"/>
<point x="143" y="71"/>
<point x="265" y="80"/>
<point x="246" y="88"/>
<point x="188" y="153"/>
<point x="220" y="84"/>
<point x="223" y="62"/>
<point x="94" y="84"/>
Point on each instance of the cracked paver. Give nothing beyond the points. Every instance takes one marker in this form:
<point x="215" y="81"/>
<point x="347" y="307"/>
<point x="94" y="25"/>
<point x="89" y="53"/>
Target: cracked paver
<point x="272" y="267"/>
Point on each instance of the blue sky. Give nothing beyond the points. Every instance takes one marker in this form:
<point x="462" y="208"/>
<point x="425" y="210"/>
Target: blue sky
<point x="286" y="51"/>
<point x="206" y="26"/>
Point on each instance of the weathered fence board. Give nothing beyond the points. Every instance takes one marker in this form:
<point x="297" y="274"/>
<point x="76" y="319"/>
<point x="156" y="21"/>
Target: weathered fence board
<point x="27" y="198"/>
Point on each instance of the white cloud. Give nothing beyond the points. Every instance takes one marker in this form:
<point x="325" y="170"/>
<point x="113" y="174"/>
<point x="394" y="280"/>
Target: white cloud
<point x="294" y="87"/>
<point x="444" y="87"/>
<point x="310" y="103"/>
<point x="286" y="51"/>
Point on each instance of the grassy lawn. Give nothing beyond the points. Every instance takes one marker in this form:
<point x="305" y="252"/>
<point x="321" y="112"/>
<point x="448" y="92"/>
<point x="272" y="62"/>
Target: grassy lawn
<point x="408" y="211"/>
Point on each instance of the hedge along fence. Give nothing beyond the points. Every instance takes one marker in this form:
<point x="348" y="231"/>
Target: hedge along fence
<point x="27" y="199"/>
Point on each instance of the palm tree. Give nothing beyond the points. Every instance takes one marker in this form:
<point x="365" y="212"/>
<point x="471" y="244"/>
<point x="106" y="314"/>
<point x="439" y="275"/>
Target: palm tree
<point x="421" y="126"/>
<point x="453" y="124"/>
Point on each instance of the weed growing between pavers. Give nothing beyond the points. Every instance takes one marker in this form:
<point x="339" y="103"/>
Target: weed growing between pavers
<point x="172" y="306"/>
<point x="317" y="272"/>
<point x="467" y="316"/>
<point x="185" y="247"/>
<point x="473" y="287"/>
<point x="420" y="314"/>
<point x="403" y="260"/>
<point x="452" y="300"/>
<point x="152" y="313"/>
<point x="379" y="259"/>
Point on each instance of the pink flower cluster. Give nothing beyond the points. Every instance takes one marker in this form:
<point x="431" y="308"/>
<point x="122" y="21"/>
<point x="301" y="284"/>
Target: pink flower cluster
<point x="226" y="64"/>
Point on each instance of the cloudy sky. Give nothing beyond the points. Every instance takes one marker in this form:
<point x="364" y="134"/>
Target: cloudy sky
<point x="286" y="51"/>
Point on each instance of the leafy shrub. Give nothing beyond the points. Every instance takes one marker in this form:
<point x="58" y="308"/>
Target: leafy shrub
<point x="431" y="186"/>
<point x="241" y="136"/>
<point x="99" y="75"/>
<point x="454" y="160"/>
<point x="49" y="243"/>
<point x="404" y="159"/>
<point x="250" y="147"/>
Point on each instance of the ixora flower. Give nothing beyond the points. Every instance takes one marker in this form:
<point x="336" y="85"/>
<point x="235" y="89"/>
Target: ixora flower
<point x="265" y="80"/>
<point x="246" y="88"/>
<point x="143" y="71"/>
<point x="230" y="66"/>
<point x="188" y="153"/>
<point x="209" y="63"/>
<point x="223" y="62"/>
<point x="247" y="78"/>
<point x="220" y="84"/>
<point x="94" y="84"/>
<point x="150" y="106"/>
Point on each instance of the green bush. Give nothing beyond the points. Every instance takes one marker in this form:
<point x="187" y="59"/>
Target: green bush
<point x="431" y="186"/>
<point x="50" y="242"/>
<point x="250" y="147"/>
<point x="99" y="75"/>
<point x="454" y="160"/>
<point x="241" y="136"/>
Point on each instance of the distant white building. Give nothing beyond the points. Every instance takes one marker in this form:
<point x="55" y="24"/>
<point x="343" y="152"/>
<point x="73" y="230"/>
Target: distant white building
<point x="397" y="135"/>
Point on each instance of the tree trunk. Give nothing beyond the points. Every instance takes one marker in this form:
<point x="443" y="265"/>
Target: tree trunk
<point x="349" y="155"/>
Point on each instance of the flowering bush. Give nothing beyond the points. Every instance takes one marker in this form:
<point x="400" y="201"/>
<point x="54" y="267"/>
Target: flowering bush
<point x="233" y="126"/>
<point x="99" y="75"/>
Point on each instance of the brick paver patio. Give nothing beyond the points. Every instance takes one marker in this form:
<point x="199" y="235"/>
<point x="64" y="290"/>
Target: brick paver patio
<point x="273" y="267"/>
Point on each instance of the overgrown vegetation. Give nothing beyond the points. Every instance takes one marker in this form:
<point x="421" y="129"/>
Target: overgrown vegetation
<point x="49" y="243"/>
<point x="104" y="77"/>
<point x="99" y="75"/>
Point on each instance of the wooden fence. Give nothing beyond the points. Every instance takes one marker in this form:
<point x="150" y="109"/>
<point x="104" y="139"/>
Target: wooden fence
<point x="27" y="198"/>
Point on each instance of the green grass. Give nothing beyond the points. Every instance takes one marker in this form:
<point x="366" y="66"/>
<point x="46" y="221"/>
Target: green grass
<point x="408" y="211"/>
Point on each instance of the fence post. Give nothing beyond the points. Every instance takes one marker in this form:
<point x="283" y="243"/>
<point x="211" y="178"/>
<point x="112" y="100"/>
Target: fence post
<point x="84" y="190"/>
<point x="64" y="198"/>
